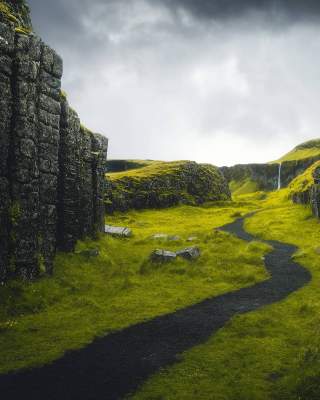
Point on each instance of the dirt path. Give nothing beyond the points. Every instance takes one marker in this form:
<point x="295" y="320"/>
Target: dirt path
<point x="118" y="364"/>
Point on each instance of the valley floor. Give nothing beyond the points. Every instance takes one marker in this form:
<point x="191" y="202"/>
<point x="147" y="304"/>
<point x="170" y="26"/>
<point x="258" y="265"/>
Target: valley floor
<point x="272" y="353"/>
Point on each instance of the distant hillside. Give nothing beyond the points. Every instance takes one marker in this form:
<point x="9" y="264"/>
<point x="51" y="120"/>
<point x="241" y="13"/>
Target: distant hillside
<point x="161" y="184"/>
<point x="249" y="178"/>
<point x="302" y="151"/>
<point x="126" y="165"/>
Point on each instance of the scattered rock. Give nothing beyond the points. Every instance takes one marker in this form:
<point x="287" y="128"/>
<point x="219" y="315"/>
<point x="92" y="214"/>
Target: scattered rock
<point x="164" y="236"/>
<point x="160" y="236"/>
<point x="89" y="253"/>
<point x="162" y="256"/>
<point x="190" y="253"/>
<point x="174" y="238"/>
<point x="118" y="231"/>
<point x="192" y="239"/>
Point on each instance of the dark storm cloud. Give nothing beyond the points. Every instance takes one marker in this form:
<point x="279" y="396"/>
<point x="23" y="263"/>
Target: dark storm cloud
<point x="215" y="81"/>
<point x="216" y="9"/>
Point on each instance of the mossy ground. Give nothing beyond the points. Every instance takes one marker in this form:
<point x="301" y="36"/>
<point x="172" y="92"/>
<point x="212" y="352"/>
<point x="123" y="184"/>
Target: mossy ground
<point x="89" y="297"/>
<point x="148" y="170"/>
<point x="270" y="354"/>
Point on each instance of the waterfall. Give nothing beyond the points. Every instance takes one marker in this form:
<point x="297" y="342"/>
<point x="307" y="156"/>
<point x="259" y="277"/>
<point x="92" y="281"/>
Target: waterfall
<point x="279" y="177"/>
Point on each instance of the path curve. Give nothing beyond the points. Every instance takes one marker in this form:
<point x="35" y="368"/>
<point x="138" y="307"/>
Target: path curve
<point x="116" y="365"/>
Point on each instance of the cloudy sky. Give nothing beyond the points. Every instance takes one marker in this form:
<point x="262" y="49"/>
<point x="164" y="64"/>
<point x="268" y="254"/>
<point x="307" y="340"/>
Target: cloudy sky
<point x="219" y="81"/>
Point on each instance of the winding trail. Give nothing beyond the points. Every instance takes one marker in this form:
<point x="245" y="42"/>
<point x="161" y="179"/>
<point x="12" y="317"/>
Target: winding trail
<point x="116" y="365"/>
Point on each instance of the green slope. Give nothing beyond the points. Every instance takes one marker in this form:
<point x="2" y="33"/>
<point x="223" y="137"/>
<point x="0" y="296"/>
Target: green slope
<point x="302" y="151"/>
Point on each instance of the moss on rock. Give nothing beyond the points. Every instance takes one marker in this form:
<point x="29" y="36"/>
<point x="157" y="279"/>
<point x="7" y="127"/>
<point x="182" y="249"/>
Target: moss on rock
<point x="164" y="184"/>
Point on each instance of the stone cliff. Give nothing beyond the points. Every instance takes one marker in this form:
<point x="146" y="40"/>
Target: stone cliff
<point x="165" y="184"/>
<point x="266" y="175"/>
<point x="51" y="167"/>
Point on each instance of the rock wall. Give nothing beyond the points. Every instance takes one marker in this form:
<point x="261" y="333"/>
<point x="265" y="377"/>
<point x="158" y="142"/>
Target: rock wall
<point x="311" y="195"/>
<point x="266" y="175"/>
<point x="191" y="183"/>
<point x="51" y="168"/>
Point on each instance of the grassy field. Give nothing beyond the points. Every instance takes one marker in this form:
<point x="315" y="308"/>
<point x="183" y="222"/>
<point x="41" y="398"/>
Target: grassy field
<point x="271" y="354"/>
<point x="89" y="297"/>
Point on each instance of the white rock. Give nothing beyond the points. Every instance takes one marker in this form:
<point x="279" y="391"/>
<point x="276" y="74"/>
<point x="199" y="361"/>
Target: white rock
<point x="118" y="231"/>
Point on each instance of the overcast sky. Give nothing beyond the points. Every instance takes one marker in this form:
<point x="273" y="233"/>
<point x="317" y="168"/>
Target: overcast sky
<point x="218" y="81"/>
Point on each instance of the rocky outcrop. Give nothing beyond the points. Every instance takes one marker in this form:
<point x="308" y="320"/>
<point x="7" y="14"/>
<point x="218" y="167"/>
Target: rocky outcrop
<point x="189" y="183"/>
<point x="311" y="194"/>
<point x="51" y="168"/>
<point x="266" y="175"/>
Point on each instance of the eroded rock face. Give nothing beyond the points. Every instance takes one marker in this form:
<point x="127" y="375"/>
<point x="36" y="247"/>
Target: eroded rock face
<point x="311" y="195"/>
<point x="51" y="169"/>
<point x="266" y="175"/>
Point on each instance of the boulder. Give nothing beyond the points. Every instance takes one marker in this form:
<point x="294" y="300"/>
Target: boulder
<point x="190" y="253"/>
<point x="118" y="231"/>
<point x="162" y="256"/>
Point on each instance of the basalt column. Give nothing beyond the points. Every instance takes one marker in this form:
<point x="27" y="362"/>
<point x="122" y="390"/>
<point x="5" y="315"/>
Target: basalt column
<point x="86" y="181"/>
<point x="69" y="178"/>
<point x="51" y="168"/>
<point x="6" y="52"/>
<point x="49" y="140"/>
<point x="99" y="151"/>
<point x="24" y="168"/>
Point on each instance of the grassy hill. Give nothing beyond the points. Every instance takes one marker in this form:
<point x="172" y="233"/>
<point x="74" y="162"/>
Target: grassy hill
<point x="146" y="169"/>
<point x="159" y="184"/>
<point x="302" y="151"/>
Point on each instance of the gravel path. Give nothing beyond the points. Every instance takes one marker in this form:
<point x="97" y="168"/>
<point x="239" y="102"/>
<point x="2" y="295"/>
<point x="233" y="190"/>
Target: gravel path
<point x="116" y="365"/>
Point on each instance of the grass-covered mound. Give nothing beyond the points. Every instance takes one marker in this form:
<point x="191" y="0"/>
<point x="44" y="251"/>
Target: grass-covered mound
<point x="305" y="150"/>
<point x="92" y="296"/>
<point x="163" y="184"/>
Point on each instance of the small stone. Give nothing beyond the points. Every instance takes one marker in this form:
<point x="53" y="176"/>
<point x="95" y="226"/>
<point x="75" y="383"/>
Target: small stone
<point x="89" y="253"/>
<point x="190" y="253"/>
<point x="118" y="231"/>
<point x="162" y="256"/>
<point x="160" y="236"/>
<point x="174" y="238"/>
<point x="192" y="239"/>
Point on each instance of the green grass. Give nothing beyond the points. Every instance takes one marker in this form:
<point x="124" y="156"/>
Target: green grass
<point x="244" y="186"/>
<point x="304" y="181"/>
<point x="305" y="150"/>
<point x="153" y="168"/>
<point x="270" y="354"/>
<point x="87" y="298"/>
